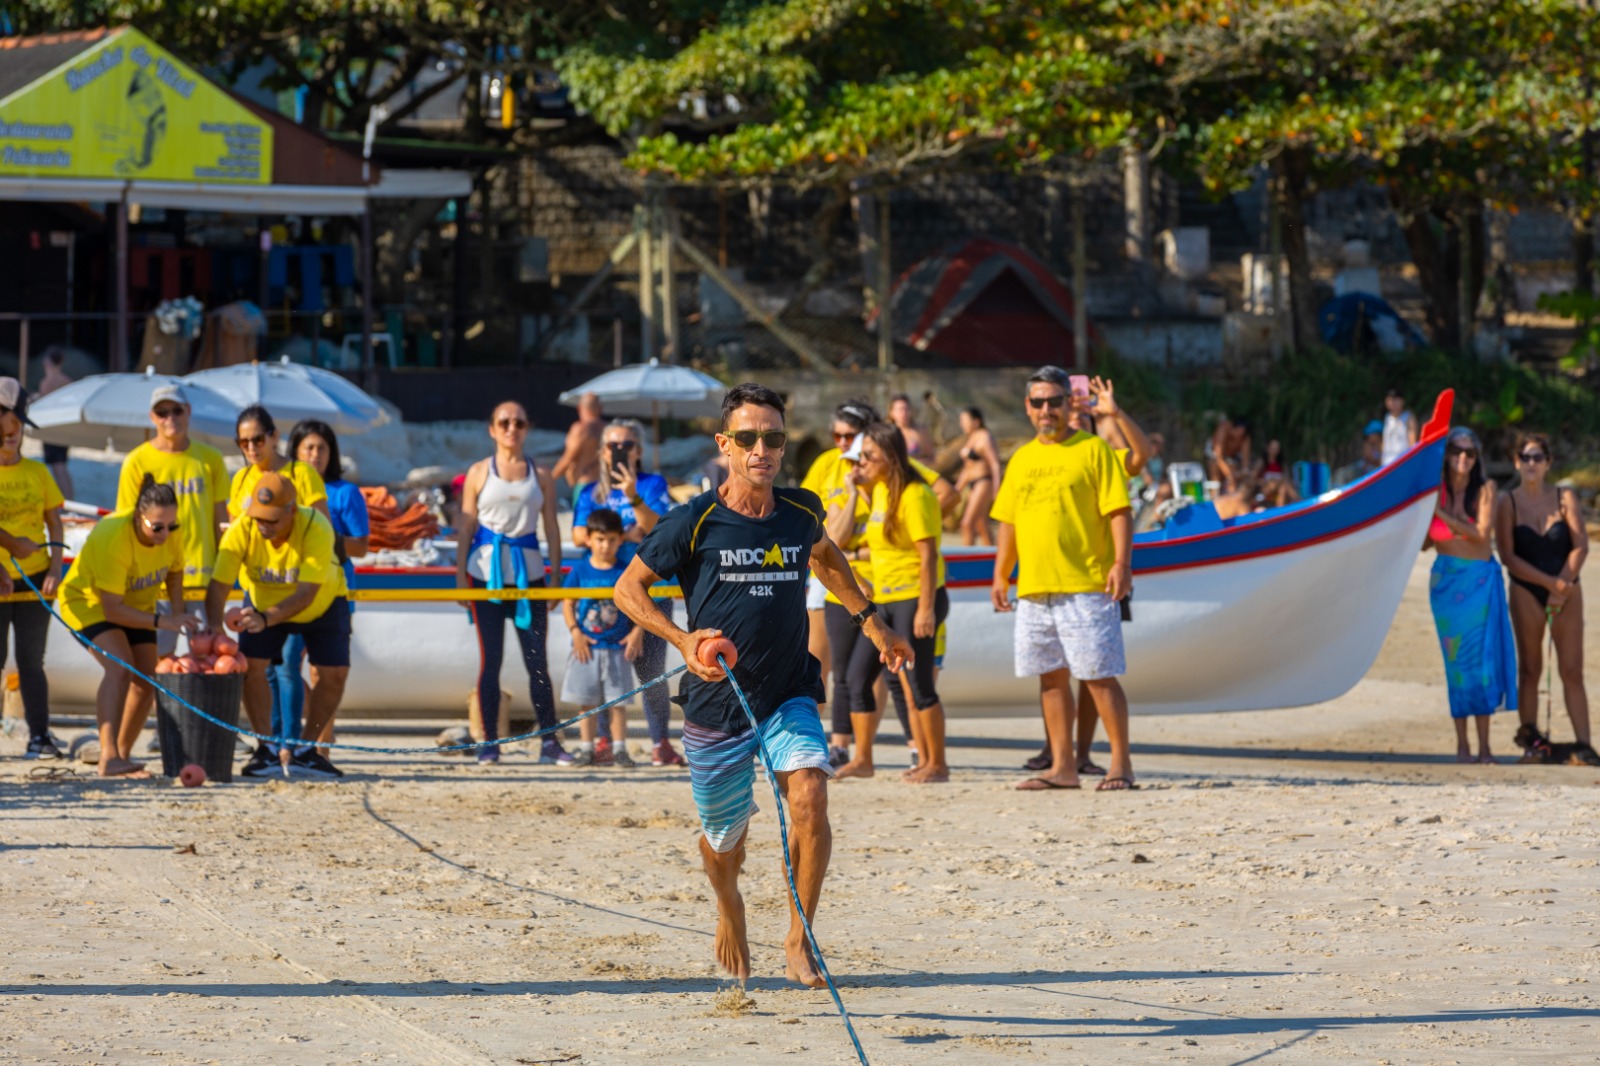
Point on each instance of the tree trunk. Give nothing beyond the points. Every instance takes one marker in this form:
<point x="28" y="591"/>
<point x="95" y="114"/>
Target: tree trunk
<point x="1433" y="236"/>
<point x="1290" y="170"/>
<point x="394" y="244"/>
<point x="1583" y="227"/>
<point x="822" y="227"/>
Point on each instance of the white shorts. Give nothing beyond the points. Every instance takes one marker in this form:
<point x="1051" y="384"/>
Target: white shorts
<point x="1081" y="632"/>
<point x="816" y="595"/>
<point x="607" y="675"/>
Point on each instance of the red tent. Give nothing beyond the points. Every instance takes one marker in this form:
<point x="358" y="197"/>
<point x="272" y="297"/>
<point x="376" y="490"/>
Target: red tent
<point x="985" y="302"/>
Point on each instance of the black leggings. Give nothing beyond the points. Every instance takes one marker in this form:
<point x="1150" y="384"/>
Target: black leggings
<point x="31" y="622"/>
<point x="843" y="636"/>
<point x="865" y="665"/>
<point x="491" y="619"/>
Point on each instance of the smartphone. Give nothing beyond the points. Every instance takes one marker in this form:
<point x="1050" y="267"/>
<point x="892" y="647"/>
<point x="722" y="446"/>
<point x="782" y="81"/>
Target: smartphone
<point x="1079" y="384"/>
<point x="619" y="454"/>
<point x="1126" y="606"/>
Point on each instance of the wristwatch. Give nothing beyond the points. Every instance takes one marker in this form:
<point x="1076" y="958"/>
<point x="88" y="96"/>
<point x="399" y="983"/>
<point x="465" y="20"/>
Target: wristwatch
<point x="860" y="617"/>
<point x="635" y="500"/>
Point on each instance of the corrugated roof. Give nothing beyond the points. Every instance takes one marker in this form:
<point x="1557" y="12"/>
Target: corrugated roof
<point x="24" y="60"/>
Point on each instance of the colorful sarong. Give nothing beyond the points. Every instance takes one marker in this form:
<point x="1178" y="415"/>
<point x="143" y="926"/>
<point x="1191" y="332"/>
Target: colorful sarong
<point x="1480" y="660"/>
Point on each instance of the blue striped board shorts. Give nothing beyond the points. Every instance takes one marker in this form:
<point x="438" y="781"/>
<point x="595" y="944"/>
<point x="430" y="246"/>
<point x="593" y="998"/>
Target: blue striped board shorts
<point x="722" y="770"/>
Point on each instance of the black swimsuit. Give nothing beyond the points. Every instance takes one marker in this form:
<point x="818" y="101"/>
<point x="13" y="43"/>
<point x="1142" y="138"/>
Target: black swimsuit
<point x="1546" y="553"/>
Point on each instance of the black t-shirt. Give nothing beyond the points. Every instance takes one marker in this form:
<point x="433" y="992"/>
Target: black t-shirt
<point x="747" y="577"/>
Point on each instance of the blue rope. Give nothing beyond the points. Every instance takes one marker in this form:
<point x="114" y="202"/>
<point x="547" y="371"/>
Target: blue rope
<point x="788" y="864"/>
<point x="297" y="741"/>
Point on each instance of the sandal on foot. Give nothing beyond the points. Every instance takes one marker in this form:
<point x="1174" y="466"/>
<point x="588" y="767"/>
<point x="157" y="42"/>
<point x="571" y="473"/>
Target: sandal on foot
<point x="1039" y="784"/>
<point x="1116" y="784"/>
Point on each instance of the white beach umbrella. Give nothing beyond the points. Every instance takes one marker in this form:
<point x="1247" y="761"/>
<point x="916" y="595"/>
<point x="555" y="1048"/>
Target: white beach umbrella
<point x="113" y="411"/>
<point x="651" y="390"/>
<point x="293" y="391"/>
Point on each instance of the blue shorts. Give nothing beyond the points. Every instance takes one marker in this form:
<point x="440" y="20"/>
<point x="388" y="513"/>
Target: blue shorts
<point x="722" y="771"/>
<point x="327" y="638"/>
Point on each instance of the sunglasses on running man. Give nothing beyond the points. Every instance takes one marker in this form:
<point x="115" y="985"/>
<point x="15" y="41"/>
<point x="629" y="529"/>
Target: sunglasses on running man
<point x="774" y="439"/>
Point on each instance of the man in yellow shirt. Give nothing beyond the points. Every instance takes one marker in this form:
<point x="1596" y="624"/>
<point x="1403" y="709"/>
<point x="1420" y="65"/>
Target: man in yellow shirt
<point x="1066" y="524"/>
<point x="194" y="470"/>
<point x="283" y="556"/>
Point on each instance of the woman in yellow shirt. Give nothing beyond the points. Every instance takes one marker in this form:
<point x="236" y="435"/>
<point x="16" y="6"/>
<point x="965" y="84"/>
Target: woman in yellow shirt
<point x="109" y="598"/>
<point x="30" y="518"/>
<point x="257" y="437"/>
<point x="903" y="529"/>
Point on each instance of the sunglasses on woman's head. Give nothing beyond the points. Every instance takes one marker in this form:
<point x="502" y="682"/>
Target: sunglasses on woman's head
<point x="1052" y="402"/>
<point x="774" y="439"/>
<point x="512" y="423"/>
<point x="252" y="442"/>
<point x="1533" y="457"/>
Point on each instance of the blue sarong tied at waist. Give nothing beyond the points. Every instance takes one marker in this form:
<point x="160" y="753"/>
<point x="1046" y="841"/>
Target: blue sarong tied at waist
<point x="1480" y="659"/>
<point x="519" y="566"/>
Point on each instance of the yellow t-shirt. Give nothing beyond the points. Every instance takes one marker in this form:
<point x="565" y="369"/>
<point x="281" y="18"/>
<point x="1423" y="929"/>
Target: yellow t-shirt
<point x="1057" y="496"/>
<point x="270" y="572"/>
<point x="27" y="491"/>
<point x="197" y="475"/>
<point x="308" y="487"/>
<point x="115" y="560"/>
<point x="896" y="564"/>
<point x="826" y="478"/>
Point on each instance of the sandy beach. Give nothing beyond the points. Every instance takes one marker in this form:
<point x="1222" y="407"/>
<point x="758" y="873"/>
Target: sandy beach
<point x="1320" y="884"/>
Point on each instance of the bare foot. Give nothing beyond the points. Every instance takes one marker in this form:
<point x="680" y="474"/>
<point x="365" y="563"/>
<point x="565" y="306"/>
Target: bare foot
<point x="1488" y="760"/>
<point x="1464" y="757"/>
<point x="731" y="946"/>
<point x="123" y="768"/>
<point x="799" y="966"/>
<point x="929" y="775"/>
<point x="1046" y="782"/>
<point x="855" y="768"/>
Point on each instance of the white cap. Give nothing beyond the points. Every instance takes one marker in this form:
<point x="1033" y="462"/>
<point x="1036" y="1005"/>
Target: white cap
<point x="171" y="392"/>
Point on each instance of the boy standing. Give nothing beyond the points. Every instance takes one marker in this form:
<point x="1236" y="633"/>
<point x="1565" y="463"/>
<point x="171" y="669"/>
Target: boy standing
<point x="604" y="643"/>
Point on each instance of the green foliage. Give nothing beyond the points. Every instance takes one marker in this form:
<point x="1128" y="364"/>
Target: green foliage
<point x="1585" y="309"/>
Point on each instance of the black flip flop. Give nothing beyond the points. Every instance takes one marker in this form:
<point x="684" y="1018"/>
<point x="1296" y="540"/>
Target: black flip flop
<point x="1128" y="785"/>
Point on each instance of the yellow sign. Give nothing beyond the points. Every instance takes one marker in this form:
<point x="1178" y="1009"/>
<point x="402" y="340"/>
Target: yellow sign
<point x="127" y="109"/>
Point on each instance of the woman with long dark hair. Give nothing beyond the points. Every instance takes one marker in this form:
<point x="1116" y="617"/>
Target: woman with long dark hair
<point x="903" y="528"/>
<point x="1468" y="594"/>
<point x="256" y="434"/>
<point x="314" y="444"/>
<point x="1541" y="535"/>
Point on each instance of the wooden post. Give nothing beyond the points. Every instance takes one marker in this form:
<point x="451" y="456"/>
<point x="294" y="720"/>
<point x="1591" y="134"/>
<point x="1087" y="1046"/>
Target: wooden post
<point x="1080" y="280"/>
<point x="885" y="282"/>
<point x="1136" y="204"/>
<point x="665" y="226"/>
<point x="647" y="282"/>
<point x="119" y="342"/>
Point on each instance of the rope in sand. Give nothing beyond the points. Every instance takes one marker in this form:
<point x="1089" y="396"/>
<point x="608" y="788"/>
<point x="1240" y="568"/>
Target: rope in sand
<point x="766" y="759"/>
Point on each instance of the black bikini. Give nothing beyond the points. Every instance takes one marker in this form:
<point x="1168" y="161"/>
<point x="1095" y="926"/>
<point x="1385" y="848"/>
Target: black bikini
<point x="1546" y="553"/>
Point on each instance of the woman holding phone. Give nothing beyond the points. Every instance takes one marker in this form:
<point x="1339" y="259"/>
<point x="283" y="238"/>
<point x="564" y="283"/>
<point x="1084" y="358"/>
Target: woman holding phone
<point x="640" y="500"/>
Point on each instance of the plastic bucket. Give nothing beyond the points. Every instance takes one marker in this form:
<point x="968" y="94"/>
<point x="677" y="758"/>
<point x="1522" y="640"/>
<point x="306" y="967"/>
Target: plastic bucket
<point x="185" y="736"/>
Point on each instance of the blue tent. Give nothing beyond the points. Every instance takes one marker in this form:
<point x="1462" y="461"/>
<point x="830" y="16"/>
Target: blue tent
<point x="1346" y="320"/>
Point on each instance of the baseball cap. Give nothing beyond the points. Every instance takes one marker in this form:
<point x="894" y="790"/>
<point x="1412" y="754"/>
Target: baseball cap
<point x="272" y="497"/>
<point x="14" y="396"/>
<point x="1374" y="426"/>
<point x="174" y="393"/>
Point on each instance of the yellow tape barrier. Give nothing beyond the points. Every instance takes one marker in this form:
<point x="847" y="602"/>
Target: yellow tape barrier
<point x="431" y="595"/>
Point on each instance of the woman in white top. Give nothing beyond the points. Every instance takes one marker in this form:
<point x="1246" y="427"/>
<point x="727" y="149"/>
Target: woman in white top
<point x="497" y="546"/>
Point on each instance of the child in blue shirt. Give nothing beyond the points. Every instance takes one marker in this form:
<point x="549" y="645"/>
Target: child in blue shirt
<point x="605" y="642"/>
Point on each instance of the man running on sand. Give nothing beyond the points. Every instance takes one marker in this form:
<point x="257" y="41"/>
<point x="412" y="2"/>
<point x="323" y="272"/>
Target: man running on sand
<point x="740" y="552"/>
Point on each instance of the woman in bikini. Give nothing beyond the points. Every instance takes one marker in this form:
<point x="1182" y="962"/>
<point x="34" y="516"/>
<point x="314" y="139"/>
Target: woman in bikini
<point x="979" y="477"/>
<point x="1542" y="539"/>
